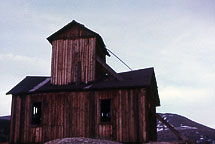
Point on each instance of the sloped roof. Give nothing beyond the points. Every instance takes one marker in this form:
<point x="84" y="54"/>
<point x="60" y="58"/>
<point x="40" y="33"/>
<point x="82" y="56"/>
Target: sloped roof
<point x="132" y="79"/>
<point x="74" y="23"/>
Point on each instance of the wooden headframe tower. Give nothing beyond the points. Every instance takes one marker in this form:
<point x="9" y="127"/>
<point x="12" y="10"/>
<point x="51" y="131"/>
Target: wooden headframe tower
<point x="84" y="96"/>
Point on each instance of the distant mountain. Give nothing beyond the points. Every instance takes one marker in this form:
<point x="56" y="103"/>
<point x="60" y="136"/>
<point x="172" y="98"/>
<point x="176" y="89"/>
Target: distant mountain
<point x="196" y="132"/>
<point x="4" y="128"/>
<point x="4" y="117"/>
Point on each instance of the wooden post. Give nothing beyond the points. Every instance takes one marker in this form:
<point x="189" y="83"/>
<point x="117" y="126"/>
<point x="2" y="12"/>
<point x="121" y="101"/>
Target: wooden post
<point x="180" y="137"/>
<point x="109" y="69"/>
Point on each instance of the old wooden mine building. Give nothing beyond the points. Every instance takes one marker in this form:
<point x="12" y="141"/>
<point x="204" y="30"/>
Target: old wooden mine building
<point x="84" y="97"/>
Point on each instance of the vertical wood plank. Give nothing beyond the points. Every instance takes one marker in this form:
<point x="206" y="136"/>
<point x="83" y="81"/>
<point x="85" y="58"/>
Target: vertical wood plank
<point x="17" y="123"/>
<point x="53" y="62"/>
<point x="144" y="119"/>
<point x="94" y="58"/>
<point x="22" y="119"/>
<point x="120" y="115"/>
<point x="13" y="119"/>
<point x="132" y="132"/>
<point x="126" y="117"/>
<point x="63" y="62"/>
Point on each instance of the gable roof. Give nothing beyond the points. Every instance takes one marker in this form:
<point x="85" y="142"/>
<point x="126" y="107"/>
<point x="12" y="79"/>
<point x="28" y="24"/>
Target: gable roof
<point x="26" y="84"/>
<point x="132" y="79"/>
<point x="70" y="25"/>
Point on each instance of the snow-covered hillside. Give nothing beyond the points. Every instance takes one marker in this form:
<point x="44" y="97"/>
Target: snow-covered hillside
<point x="192" y="130"/>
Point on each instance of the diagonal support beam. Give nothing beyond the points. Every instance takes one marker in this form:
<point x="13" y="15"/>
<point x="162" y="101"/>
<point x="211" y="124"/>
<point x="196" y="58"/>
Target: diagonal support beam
<point x="180" y="137"/>
<point x="109" y="69"/>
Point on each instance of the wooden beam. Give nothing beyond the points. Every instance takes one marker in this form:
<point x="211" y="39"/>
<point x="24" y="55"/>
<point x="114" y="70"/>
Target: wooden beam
<point x="180" y="137"/>
<point x="109" y="69"/>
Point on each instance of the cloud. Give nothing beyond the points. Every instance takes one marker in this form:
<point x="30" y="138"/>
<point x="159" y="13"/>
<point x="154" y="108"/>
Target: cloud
<point x="191" y="102"/>
<point x="14" y="68"/>
<point x="20" y="64"/>
<point x="185" y="95"/>
<point x="5" y="104"/>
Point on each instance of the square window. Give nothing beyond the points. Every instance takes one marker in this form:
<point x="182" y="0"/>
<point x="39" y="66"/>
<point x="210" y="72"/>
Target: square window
<point x="105" y="110"/>
<point x="36" y="113"/>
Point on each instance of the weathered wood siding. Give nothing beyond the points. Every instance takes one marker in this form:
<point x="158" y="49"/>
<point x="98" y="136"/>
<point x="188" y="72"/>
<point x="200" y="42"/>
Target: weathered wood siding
<point x="128" y="115"/>
<point x="73" y="56"/>
<point x="73" y="59"/>
<point x="77" y="114"/>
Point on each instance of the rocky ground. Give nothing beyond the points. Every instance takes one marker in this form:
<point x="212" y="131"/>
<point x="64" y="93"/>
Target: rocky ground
<point x="80" y="140"/>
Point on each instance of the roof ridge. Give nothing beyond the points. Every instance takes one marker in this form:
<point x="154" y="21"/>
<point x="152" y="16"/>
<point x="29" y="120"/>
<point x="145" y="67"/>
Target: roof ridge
<point x="137" y="70"/>
<point x="39" y="76"/>
<point x="39" y="85"/>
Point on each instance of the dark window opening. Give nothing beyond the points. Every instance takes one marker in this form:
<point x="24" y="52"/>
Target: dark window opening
<point x="36" y="113"/>
<point x="105" y="110"/>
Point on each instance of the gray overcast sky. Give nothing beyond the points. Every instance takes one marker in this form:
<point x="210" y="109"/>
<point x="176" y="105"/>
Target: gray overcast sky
<point x="175" y="37"/>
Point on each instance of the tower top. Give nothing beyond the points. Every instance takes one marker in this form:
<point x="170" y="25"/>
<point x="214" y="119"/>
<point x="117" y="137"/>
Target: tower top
<point x="75" y="30"/>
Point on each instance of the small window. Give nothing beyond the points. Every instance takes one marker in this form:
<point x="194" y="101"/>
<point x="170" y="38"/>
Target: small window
<point x="36" y="113"/>
<point x="105" y="110"/>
